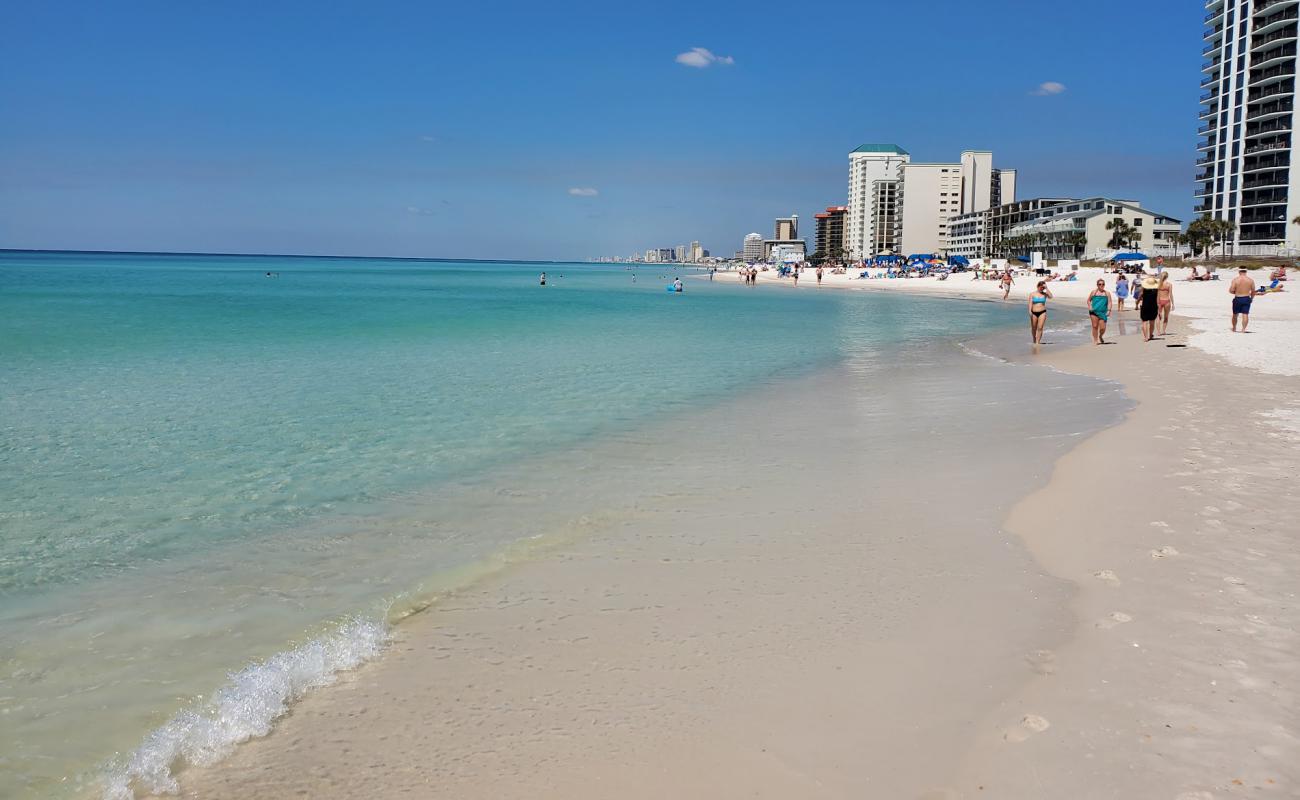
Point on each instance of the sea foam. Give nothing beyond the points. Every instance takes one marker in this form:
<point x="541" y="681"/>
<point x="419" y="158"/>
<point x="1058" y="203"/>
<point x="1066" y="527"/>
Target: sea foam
<point x="244" y="708"/>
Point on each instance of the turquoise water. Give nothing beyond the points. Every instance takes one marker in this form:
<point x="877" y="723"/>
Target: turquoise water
<point x="202" y="466"/>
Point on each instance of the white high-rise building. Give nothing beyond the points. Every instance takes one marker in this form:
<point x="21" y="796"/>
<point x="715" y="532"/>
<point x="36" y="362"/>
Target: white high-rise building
<point x="1245" y="172"/>
<point x="753" y="248"/>
<point x="696" y="253"/>
<point x="869" y="164"/>
<point x="931" y="195"/>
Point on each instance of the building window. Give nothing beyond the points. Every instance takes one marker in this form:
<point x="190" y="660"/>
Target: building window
<point x="1137" y="222"/>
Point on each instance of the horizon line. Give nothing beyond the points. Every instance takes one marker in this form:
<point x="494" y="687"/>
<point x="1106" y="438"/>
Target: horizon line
<point x="284" y="255"/>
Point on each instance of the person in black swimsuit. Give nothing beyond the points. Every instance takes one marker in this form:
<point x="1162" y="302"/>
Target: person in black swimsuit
<point x="1148" y="307"/>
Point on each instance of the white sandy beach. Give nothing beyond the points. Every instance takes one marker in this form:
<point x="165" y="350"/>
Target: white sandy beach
<point x="1146" y="650"/>
<point x="1273" y="346"/>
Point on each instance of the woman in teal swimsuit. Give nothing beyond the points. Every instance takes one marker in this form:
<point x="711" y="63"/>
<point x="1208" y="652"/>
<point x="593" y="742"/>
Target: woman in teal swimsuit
<point x="1099" y="311"/>
<point x="1038" y="311"/>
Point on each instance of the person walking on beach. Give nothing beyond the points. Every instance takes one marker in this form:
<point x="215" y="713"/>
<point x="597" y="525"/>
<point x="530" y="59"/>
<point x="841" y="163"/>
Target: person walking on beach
<point x="1164" y="303"/>
<point x="1099" y="311"/>
<point x="1038" y="311"/>
<point x="1242" y="290"/>
<point x="543" y="283"/>
<point x="1147" y="308"/>
<point x="819" y="274"/>
<point x="1007" y="282"/>
<point x="1121" y="291"/>
<point x="795" y="274"/>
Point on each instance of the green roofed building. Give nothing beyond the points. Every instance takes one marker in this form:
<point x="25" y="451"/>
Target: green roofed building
<point x="881" y="148"/>
<point x="870" y="224"/>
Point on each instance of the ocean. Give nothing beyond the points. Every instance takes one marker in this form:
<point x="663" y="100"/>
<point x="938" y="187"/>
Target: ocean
<point x="223" y="479"/>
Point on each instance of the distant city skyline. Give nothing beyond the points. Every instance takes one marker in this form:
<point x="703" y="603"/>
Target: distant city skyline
<point x="347" y="130"/>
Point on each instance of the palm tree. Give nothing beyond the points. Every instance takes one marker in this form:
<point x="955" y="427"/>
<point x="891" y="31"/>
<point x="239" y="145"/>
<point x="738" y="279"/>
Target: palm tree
<point x="1221" y="229"/>
<point x="1121" y="233"/>
<point x="1077" y="241"/>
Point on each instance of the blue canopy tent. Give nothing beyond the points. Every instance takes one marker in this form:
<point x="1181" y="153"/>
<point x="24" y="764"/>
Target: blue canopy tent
<point x="915" y="257"/>
<point x="959" y="261"/>
<point x="1130" y="257"/>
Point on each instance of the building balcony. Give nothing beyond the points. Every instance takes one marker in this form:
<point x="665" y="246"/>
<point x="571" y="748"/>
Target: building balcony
<point x="1282" y="87"/>
<point x="1264" y="197"/>
<point x="1276" y="108"/>
<point x="1208" y="144"/>
<point x="1258" y="77"/>
<point x="1259" y="42"/>
<point x="1266" y="181"/>
<point x="1281" y="124"/>
<point x="1209" y="80"/>
<point x="1264" y="148"/>
<point x="1276" y="20"/>
<point x="1209" y="111"/>
<point x="1282" y="55"/>
<point x="1271" y="235"/>
<point x="1266" y="7"/>
<point x="1259" y="163"/>
<point x="1207" y="175"/>
<point x="1274" y="215"/>
<point x="1204" y="191"/>
<point x="1203" y="208"/>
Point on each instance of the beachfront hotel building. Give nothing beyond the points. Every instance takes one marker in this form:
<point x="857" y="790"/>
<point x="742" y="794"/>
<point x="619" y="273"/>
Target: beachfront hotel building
<point x="976" y="234"/>
<point x="930" y="196"/>
<point x="1077" y="228"/>
<point x="870" y="221"/>
<point x="830" y="231"/>
<point x="753" y="247"/>
<point x="1246" y="147"/>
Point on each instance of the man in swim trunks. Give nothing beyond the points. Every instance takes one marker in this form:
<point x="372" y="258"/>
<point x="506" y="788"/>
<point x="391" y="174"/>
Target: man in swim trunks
<point x="1242" y="290"/>
<point x="1099" y="311"/>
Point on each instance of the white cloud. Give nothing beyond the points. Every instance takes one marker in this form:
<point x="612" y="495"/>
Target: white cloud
<point x="583" y="191"/>
<point x="1048" y="88"/>
<point x="700" y="58"/>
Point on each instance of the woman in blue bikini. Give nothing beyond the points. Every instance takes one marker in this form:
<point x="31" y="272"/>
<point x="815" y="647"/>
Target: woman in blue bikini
<point x="1038" y="311"/>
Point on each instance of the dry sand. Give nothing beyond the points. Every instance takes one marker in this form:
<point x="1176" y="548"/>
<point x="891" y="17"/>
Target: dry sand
<point x="1180" y="527"/>
<point x="1159" y="662"/>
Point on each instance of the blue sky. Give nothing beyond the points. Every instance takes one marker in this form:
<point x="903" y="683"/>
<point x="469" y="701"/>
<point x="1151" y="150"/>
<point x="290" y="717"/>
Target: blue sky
<point x="459" y="130"/>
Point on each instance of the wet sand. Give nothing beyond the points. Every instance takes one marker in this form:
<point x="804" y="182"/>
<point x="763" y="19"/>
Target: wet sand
<point x="1127" y="630"/>
<point x="823" y="602"/>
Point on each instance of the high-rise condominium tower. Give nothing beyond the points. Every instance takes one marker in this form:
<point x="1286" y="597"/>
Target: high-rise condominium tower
<point x="874" y="171"/>
<point x="1244" y="172"/>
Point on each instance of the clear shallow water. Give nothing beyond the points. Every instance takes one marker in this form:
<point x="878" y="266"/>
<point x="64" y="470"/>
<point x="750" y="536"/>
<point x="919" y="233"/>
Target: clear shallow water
<point x="201" y="466"/>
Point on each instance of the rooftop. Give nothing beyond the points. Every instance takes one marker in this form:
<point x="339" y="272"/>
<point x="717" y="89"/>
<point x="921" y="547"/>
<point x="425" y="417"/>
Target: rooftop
<point x="880" y="148"/>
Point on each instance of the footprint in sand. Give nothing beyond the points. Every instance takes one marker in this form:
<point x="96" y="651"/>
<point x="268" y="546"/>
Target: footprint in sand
<point x="1113" y="619"/>
<point x="1042" y="661"/>
<point x="1159" y="524"/>
<point x="1029" y="725"/>
<point x="1107" y="576"/>
<point x="1212" y="510"/>
<point x="1234" y="581"/>
<point x="1164" y="552"/>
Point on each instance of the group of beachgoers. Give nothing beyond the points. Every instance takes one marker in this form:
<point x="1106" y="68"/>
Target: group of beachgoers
<point x="1153" y="299"/>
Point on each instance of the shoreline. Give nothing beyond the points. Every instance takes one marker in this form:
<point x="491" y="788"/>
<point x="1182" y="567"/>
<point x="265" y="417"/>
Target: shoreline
<point x="722" y="633"/>
<point x="1274" y="345"/>
<point x="1039" y="728"/>
<point x="1178" y="679"/>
